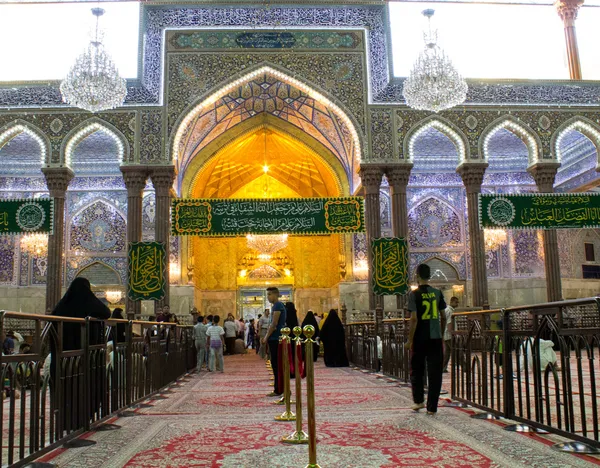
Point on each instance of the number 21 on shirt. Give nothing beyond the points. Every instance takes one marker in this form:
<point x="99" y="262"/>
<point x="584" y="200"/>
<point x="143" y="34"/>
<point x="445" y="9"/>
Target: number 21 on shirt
<point x="431" y="310"/>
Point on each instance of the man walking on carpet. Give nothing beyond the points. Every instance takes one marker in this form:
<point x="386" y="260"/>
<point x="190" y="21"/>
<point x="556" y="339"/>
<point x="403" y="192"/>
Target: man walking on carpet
<point x="427" y="320"/>
<point x="278" y="318"/>
<point x="200" y="342"/>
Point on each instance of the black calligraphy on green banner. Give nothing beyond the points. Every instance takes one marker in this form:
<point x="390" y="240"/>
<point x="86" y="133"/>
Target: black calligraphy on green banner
<point x="147" y="267"/>
<point x="539" y="211"/>
<point x="294" y="216"/>
<point x="390" y="266"/>
<point x="25" y="216"/>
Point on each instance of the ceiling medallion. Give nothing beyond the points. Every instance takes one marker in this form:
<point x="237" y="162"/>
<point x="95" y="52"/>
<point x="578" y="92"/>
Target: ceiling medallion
<point x="434" y="84"/>
<point x="94" y="83"/>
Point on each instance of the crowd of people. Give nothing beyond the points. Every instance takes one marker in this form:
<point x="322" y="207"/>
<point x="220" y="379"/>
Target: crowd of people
<point x="261" y="335"/>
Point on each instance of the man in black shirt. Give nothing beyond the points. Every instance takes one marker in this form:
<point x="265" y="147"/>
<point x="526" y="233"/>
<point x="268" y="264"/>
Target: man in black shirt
<point x="427" y="320"/>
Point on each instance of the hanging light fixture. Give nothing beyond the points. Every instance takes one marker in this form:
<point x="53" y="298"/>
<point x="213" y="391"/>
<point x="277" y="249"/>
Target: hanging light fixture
<point x="494" y="238"/>
<point x="35" y="244"/>
<point x="94" y="83"/>
<point x="113" y="296"/>
<point x="267" y="244"/>
<point x="434" y="84"/>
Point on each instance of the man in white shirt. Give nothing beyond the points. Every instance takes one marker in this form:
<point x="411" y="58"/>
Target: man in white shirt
<point x="200" y="341"/>
<point x="448" y="332"/>
<point x="263" y="326"/>
<point x="215" y="336"/>
<point x="230" y="327"/>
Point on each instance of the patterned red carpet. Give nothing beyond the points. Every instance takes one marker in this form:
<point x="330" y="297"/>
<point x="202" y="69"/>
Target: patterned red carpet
<point x="225" y="420"/>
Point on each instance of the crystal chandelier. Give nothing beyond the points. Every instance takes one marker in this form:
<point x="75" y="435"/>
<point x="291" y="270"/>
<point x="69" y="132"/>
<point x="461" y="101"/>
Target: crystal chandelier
<point x="434" y="84"/>
<point x="35" y="244"/>
<point x="94" y="83"/>
<point x="494" y="238"/>
<point x="113" y="296"/>
<point x="267" y="244"/>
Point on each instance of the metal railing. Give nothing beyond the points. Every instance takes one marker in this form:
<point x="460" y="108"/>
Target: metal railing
<point x="361" y="344"/>
<point x="52" y="394"/>
<point x="534" y="364"/>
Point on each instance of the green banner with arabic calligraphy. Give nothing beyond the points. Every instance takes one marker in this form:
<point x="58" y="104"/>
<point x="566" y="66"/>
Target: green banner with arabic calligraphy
<point x="294" y="216"/>
<point x="390" y="266"/>
<point x="539" y="211"/>
<point x="25" y="216"/>
<point x="147" y="271"/>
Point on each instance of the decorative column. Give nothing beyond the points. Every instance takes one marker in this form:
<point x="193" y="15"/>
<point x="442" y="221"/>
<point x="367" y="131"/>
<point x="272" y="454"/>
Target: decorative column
<point x="567" y="10"/>
<point x="135" y="178"/>
<point x="397" y="176"/>
<point x="544" y="175"/>
<point x="162" y="179"/>
<point x="57" y="180"/>
<point x="371" y="175"/>
<point x="472" y="176"/>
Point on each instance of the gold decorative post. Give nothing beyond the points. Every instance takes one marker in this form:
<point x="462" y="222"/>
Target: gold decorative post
<point x="298" y="436"/>
<point x="309" y="331"/>
<point x="287" y="415"/>
<point x="567" y="10"/>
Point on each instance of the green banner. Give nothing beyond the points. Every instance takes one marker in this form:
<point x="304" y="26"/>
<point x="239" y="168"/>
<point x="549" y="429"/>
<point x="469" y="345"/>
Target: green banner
<point x="25" y="216"/>
<point x="147" y="271"/>
<point x="539" y="211"/>
<point x="390" y="266"/>
<point x="294" y="216"/>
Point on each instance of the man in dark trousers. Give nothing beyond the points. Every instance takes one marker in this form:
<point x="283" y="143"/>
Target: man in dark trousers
<point x="427" y="320"/>
<point x="278" y="317"/>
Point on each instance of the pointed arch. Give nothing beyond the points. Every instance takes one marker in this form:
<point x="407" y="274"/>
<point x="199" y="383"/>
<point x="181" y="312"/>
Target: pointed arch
<point x="430" y="196"/>
<point x="99" y="200"/>
<point x="435" y="261"/>
<point x="187" y="117"/>
<point x="444" y="126"/>
<point x="522" y="130"/>
<point x="85" y="129"/>
<point x="18" y="126"/>
<point x="103" y="265"/>
<point x="581" y="124"/>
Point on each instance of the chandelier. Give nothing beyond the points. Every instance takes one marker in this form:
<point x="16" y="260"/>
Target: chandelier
<point x="434" y="84"/>
<point x="494" y="238"/>
<point x="35" y="244"/>
<point x="113" y="296"/>
<point x="94" y="83"/>
<point x="267" y="244"/>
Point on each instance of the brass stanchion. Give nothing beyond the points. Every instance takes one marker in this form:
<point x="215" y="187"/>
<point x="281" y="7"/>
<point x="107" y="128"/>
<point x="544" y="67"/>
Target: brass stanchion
<point x="287" y="415"/>
<point x="298" y="436"/>
<point x="309" y="331"/>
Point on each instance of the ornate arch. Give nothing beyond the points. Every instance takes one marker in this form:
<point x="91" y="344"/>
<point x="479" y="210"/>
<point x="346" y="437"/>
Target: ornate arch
<point x="522" y="130"/>
<point x="77" y="234"/>
<point x="444" y="261"/>
<point x="581" y="124"/>
<point x="186" y="119"/>
<point x="444" y="126"/>
<point x="18" y="126"/>
<point x="187" y="177"/>
<point x="101" y="200"/>
<point x="85" y="129"/>
<point x="98" y="262"/>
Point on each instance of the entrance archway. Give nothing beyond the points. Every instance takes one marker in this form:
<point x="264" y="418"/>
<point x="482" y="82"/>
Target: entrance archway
<point x="264" y="157"/>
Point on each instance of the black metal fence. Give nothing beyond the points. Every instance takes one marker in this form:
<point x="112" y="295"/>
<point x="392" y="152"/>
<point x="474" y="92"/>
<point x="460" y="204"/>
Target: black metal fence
<point x="536" y="365"/>
<point x="52" y="394"/>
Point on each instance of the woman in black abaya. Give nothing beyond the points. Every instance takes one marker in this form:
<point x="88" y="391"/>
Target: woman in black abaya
<point x="78" y="302"/>
<point x="334" y="342"/>
<point x="291" y="317"/>
<point x="311" y="320"/>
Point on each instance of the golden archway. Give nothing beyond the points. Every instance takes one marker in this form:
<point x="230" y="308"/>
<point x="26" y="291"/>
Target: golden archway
<point x="264" y="158"/>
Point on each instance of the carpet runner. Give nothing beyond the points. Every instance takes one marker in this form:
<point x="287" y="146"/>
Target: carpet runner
<point x="225" y="420"/>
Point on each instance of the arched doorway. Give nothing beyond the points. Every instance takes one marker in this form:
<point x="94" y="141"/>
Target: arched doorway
<point x="445" y="277"/>
<point x="264" y="157"/>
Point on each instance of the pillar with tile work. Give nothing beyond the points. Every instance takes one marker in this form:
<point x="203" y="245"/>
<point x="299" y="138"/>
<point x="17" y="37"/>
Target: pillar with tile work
<point x="398" y="176"/>
<point x="544" y="175"/>
<point x="135" y="178"/>
<point x="371" y="176"/>
<point x="57" y="180"/>
<point x="162" y="180"/>
<point x="472" y="176"/>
